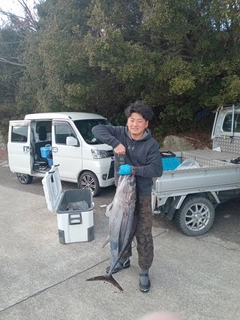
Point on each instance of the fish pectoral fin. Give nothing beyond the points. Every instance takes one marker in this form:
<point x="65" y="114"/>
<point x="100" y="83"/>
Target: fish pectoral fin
<point x="107" y="278"/>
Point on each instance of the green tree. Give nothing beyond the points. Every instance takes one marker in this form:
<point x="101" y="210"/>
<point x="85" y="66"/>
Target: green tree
<point x="13" y="33"/>
<point x="11" y="70"/>
<point x="181" y="57"/>
<point x="59" y="67"/>
<point x="178" y="56"/>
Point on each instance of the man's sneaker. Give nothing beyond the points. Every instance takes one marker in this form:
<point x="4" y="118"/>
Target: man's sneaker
<point x="144" y="281"/>
<point x="122" y="264"/>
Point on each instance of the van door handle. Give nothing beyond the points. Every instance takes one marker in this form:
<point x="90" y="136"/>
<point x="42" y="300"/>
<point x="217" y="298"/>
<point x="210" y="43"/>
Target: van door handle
<point x="26" y="149"/>
<point x="54" y="149"/>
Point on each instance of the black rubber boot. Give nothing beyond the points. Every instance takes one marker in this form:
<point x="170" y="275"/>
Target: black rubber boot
<point x="144" y="282"/>
<point x="123" y="263"/>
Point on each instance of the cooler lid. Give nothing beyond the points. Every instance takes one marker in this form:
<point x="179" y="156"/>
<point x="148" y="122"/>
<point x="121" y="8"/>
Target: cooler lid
<point x="52" y="187"/>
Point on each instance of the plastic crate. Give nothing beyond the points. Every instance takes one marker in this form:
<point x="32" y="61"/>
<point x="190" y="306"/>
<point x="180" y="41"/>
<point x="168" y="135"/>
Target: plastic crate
<point x="170" y="163"/>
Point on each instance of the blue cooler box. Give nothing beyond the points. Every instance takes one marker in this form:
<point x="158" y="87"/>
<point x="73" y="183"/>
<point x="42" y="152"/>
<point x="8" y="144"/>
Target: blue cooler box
<point x="74" y="209"/>
<point x="169" y="161"/>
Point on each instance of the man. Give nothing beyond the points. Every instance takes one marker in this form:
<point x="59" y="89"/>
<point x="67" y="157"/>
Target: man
<point x="142" y="158"/>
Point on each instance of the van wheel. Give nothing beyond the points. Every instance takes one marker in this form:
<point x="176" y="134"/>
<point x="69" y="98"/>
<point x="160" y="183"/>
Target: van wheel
<point x="24" y="178"/>
<point x="89" y="180"/>
<point x="196" y="216"/>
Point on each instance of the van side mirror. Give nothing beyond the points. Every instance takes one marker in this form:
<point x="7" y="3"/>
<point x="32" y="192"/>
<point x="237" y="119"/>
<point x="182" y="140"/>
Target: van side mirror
<point x="71" y="141"/>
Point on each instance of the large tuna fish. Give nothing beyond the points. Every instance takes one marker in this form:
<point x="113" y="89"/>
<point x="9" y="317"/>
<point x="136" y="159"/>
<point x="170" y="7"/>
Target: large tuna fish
<point x="122" y="224"/>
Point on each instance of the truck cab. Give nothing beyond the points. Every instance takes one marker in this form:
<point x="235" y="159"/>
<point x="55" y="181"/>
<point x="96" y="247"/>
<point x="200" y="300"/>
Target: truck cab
<point x="82" y="159"/>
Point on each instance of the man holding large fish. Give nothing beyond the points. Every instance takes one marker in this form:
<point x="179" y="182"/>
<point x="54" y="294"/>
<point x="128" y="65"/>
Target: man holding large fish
<point x="143" y="160"/>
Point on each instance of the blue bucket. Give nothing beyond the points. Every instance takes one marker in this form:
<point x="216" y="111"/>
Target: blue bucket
<point x="45" y="151"/>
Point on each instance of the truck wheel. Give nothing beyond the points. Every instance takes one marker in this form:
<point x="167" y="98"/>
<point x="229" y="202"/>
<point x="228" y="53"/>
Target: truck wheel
<point x="89" y="180"/>
<point x="196" y="216"/>
<point x="24" y="178"/>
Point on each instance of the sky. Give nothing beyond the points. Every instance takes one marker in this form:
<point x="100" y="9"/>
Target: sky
<point x="14" y="7"/>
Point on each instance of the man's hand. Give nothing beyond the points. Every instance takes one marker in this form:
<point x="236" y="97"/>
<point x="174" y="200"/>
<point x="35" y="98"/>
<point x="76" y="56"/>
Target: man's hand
<point x="120" y="149"/>
<point x="125" y="169"/>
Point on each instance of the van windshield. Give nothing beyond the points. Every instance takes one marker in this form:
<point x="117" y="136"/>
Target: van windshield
<point x="85" y="128"/>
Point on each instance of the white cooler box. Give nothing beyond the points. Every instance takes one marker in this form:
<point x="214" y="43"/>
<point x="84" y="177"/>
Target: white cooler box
<point x="74" y="209"/>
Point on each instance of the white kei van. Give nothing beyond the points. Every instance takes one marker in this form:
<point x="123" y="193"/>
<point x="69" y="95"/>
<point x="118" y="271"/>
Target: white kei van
<point x="81" y="157"/>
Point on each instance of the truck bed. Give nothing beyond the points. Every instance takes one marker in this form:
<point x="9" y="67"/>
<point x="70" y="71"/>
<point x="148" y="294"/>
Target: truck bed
<point x="215" y="174"/>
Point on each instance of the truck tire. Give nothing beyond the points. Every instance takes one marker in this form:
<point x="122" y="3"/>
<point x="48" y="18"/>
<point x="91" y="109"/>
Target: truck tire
<point x="24" y="178"/>
<point x="88" y="180"/>
<point x="196" y="216"/>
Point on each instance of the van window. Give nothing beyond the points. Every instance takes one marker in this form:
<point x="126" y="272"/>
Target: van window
<point x="19" y="133"/>
<point x="62" y="131"/>
<point x="85" y="128"/>
<point x="227" y="123"/>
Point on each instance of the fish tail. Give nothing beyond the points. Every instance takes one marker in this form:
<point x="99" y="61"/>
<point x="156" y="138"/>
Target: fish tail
<point x="107" y="278"/>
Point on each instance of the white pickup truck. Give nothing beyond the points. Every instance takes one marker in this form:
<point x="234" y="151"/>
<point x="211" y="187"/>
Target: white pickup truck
<point x="190" y="195"/>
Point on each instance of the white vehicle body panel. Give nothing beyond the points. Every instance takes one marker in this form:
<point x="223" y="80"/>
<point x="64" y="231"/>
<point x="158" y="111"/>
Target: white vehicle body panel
<point x="72" y="151"/>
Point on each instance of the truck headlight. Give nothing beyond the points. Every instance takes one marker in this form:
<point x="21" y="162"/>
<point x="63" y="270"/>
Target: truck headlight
<point x="99" y="154"/>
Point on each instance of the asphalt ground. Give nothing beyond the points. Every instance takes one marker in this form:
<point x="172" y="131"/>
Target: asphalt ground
<point x="197" y="278"/>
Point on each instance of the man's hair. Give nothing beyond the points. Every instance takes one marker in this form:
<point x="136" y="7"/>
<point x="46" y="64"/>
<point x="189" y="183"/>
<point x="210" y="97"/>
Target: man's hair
<point x="141" y="108"/>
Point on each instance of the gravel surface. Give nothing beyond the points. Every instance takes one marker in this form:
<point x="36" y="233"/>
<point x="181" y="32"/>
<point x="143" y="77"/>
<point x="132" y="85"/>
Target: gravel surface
<point x="3" y="152"/>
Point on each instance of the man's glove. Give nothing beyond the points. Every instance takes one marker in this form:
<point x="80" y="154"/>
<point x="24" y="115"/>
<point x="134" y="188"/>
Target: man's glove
<point x="125" y="169"/>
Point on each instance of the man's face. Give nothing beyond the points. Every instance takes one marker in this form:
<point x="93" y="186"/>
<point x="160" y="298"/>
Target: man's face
<point x="136" y="125"/>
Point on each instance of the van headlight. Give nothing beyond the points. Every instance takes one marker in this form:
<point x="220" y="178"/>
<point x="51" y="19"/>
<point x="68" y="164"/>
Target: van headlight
<point x="99" y="154"/>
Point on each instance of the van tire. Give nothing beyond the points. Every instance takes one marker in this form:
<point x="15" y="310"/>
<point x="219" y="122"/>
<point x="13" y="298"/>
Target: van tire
<point x="24" y="178"/>
<point x="89" y="180"/>
<point x="196" y="216"/>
